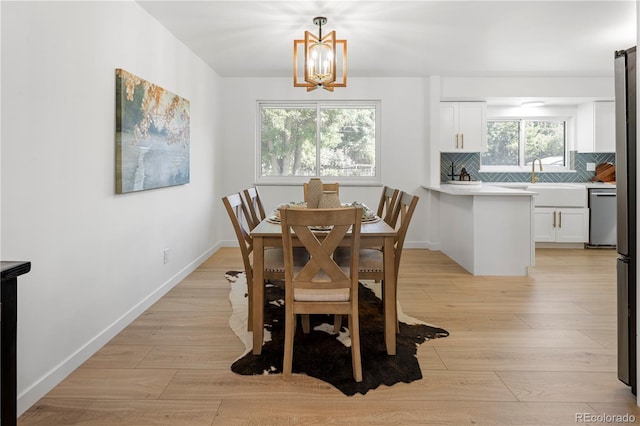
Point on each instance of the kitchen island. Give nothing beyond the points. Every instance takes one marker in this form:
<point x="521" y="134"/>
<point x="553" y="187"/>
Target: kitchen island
<point x="486" y="229"/>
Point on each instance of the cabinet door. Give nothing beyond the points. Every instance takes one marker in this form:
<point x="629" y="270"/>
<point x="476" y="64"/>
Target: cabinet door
<point x="472" y="126"/>
<point x="572" y="225"/>
<point x="585" y="123"/>
<point x="605" y="127"/>
<point x="595" y="127"/>
<point x="544" y="224"/>
<point x="448" y="126"/>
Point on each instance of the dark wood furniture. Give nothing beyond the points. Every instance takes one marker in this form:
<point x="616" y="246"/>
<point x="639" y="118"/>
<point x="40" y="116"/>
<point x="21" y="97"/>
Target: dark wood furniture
<point x="9" y="272"/>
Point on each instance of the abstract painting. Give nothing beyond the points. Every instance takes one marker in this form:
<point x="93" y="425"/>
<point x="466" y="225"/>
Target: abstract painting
<point x="152" y="135"/>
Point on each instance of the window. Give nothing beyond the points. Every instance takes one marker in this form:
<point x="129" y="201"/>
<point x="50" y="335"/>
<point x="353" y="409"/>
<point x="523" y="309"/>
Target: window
<point x="515" y="143"/>
<point x="324" y="139"/>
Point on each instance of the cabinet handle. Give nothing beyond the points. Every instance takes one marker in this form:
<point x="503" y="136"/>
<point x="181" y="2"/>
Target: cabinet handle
<point x="559" y="219"/>
<point x="554" y="219"/>
<point x="462" y="137"/>
<point x="456" y="141"/>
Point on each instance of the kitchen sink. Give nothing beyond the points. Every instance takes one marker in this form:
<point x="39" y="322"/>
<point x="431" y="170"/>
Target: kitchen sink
<point x="558" y="194"/>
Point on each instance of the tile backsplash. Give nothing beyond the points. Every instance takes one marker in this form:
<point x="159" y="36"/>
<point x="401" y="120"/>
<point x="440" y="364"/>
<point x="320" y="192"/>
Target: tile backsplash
<point x="471" y="161"/>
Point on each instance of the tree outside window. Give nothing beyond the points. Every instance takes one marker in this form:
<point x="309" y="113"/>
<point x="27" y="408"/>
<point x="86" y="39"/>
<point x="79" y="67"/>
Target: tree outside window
<point x="545" y="140"/>
<point x="288" y="138"/>
<point x="517" y="142"/>
<point x="319" y="139"/>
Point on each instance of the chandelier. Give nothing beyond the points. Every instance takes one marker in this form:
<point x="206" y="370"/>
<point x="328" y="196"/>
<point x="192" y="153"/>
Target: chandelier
<point x="323" y="60"/>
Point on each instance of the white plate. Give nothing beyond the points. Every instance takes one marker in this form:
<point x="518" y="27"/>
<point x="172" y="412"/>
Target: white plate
<point x="368" y="215"/>
<point x="371" y="220"/>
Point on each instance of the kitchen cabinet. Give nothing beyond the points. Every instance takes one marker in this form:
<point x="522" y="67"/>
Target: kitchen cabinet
<point x="561" y="225"/>
<point x="463" y="126"/>
<point x="560" y="213"/>
<point x="595" y="130"/>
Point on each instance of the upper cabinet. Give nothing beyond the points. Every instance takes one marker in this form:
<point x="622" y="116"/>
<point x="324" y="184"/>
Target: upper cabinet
<point x="463" y="126"/>
<point x="596" y="129"/>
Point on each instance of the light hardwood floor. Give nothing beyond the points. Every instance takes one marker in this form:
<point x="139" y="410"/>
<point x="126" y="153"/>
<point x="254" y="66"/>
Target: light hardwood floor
<point x="536" y="350"/>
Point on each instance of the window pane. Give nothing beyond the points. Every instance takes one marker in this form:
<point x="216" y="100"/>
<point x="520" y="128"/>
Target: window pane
<point x="502" y="143"/>
<point x="288" y="141"/>
<point x="348" y="142"/>
<point x="545" y="140"/>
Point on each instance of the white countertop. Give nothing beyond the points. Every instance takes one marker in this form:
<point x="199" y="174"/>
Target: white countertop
<point x="478" y="190"/>
<point x="522" y="185"/>
<point x="505" y="188"/>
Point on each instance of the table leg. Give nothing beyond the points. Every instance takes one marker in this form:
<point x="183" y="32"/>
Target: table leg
<point x="389" y="295"/>
<point x="258" y="294"/>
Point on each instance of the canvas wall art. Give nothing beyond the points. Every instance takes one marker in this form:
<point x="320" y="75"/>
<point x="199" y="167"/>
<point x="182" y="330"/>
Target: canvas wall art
<point x="152" y="135"/>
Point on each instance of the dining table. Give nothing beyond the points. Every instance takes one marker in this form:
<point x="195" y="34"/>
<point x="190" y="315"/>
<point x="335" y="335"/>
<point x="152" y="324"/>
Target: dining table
<point x="373" y="234"/>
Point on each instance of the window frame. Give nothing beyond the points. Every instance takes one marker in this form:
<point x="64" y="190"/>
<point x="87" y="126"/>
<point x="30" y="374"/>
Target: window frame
<point x="374" y="180"/>
<point x="521" y="145"/>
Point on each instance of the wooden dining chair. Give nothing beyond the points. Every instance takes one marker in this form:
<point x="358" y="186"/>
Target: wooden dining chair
<point x="325" y="187"/>
<point x="371" y="260"/>
<point x="321" y="286"/>
<point x="273" y="256"/>
<point x="254" y="206"/>
<point x="387" y="204"/>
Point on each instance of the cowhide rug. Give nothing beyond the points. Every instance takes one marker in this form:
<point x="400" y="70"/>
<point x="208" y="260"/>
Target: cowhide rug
<point x="325" y="355"/>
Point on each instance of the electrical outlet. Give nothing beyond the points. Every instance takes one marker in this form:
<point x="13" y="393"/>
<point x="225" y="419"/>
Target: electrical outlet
<point x="166" y="255"/>
<point x="591" y="167"/>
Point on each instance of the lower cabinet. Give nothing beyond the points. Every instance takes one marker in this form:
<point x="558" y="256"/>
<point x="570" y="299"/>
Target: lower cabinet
<point x="561" y="225"/>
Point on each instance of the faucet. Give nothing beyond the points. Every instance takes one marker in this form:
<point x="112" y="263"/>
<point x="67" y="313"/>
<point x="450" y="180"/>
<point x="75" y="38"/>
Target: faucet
<point x="534" y="178"/>
<point x="453" y="172"/>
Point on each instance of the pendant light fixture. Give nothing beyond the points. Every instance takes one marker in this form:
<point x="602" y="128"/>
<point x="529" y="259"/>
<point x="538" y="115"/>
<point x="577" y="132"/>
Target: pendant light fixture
<point x="317" y="61"/>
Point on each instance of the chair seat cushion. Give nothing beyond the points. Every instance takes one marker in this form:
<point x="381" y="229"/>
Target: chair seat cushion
<point x="315" y="295"/>
<point x="274" y="258"/>
<point x="318" y="294"/>
<point x="371" y="260"/>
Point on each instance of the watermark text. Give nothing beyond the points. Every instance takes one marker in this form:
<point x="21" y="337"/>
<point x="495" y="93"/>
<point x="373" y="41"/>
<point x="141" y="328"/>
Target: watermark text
<point x="605" y="418"/>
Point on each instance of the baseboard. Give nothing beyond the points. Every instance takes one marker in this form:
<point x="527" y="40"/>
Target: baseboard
<point x="228" y="243"/>
<point x="415" y="245"/>
<point x="432" y="246"/>
<point x="560" y="245"/>
<point x="36" y="391"/>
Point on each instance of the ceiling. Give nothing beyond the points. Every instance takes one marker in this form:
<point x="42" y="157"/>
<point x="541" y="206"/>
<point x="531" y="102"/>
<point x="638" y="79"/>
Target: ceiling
<point x="409" y="38"/>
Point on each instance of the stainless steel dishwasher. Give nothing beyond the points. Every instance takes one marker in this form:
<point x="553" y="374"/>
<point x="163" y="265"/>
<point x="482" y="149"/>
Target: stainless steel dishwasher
<point x="602" y="229"/>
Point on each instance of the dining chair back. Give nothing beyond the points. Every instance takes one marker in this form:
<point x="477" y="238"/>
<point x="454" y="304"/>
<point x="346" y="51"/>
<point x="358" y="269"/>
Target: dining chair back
<point x="387" y="205"/>
<point x="237" y="211"/>
<point x="405" y="208"/>
<point x="325" y="187"/>
<point x="254" y="206"/>
<point x="372" y="260"/>
<point x="273" y="257"/>
<point x="321" y="286"/>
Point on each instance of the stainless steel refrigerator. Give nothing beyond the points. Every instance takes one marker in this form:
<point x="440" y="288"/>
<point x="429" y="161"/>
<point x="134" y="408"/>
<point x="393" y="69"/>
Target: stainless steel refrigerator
<point x="625" y="97"/>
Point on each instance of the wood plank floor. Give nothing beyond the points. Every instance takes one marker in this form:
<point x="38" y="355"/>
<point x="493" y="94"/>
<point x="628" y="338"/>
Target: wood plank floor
<point x="536" y="350"/>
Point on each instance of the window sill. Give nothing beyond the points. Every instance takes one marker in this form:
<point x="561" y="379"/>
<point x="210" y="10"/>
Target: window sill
<point x="298" y="181"/>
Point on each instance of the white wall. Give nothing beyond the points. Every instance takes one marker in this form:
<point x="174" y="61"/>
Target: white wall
<point x="97" y="257"/>
<point x="480" y="88"/>
<point x="403" y="140"/>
